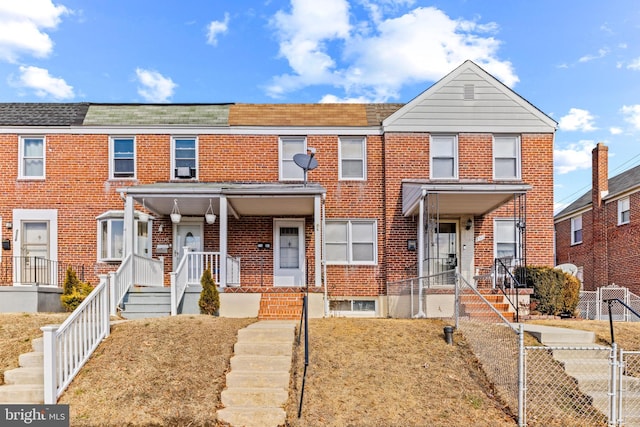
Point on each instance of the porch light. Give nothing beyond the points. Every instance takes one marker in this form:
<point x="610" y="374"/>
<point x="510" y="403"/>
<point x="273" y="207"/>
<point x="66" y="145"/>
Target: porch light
<point x="469" y="224"/>
<point x="175" y="212"/>
<point x="209" y="216"/>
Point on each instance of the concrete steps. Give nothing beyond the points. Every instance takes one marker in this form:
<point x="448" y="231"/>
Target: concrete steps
<point x="258" y="383"/>
<point x="142" y="302"/>
<point x="24" y="385"/>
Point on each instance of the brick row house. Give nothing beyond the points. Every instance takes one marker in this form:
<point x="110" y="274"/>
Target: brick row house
<point x="458" y="176"/>
<point x="598" y="232"/>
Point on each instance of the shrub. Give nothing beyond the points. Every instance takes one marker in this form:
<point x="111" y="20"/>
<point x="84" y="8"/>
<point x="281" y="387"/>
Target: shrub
<point x="209" y="301"/>
<point x="556" y="292"/>
<point x="73" y="291"/>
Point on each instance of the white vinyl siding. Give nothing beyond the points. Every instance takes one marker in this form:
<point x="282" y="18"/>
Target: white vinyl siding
<point x="122" y="157"/>
<point x="351" y="242"/>
<point x="353" y="162"/>
<point x="32" y="157"/>
<point x="576" y="230"/>
<point x="444" y="157"/>
<point x="506" y="157"/>
<point x="289" y="147"/>
<point x="184" y="161"/>
<point x="624" y="211"/>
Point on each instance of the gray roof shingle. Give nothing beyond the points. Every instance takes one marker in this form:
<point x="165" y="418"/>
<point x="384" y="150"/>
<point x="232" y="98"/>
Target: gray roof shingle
<point x="157" y="114"/>
<point x="42" y="114"/>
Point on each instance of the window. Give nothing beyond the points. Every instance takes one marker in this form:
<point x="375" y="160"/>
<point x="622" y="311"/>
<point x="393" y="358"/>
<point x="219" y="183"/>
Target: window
<point x="111" y="236"/>
<point x="352" y="153"/>
<point x="506" y="238"/>
<point x="624" y="211"/>
<point x="123" y="160"/>
<point x="32" y="158"/>
<point x="354" y="307"/>
<point x="576" y="230"/>
<point x="184" y="158"/>
<point x="351" y="242"/>
<point x="290" y="146"/>
<point x="506" y="157"/>
<point x="444" y="157"/>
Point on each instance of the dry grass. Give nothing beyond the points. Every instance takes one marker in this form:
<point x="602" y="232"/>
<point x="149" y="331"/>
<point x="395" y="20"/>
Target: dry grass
<point x="362" y="372"/>
<point x="16" y="333"/>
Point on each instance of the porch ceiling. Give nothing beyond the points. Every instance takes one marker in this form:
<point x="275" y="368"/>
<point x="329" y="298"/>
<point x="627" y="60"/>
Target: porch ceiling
<point x="244" y="199"/>
<point x="460" y="198"/>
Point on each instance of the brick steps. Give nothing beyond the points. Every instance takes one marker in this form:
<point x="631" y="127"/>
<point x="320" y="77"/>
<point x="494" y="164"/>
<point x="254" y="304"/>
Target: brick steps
<point x="474" y="307"/>
<point x="280" y="306"/>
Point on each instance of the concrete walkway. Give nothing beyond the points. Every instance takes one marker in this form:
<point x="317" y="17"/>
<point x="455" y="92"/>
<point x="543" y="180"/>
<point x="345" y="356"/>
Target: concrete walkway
<point x="258" y="383"/>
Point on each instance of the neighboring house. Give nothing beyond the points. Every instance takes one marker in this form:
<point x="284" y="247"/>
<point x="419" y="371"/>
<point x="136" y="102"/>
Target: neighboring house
<point x="599" y="231"/>
<point x="458" y="176"/>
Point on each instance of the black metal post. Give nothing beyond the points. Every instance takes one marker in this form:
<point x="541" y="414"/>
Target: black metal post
<point x="611" y="321"/>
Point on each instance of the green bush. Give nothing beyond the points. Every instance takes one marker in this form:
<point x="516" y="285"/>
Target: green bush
<point x="209" y="301"/>
<point x="73" y="291"/>
<point x="555" y="291"/>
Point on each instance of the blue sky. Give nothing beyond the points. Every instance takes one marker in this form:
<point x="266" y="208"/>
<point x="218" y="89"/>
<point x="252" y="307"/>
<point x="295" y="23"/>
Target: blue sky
<point x="576" y="60"/>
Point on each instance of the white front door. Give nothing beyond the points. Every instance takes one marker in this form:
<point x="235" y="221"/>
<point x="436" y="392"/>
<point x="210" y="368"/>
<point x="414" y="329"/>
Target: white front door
<point x="35" y="252"/>
<point x="186" y="235"/>
<point x="288" y="256"/>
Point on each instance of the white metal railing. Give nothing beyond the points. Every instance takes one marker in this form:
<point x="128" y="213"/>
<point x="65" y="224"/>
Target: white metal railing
<point x="120" y="282"/>
<point x="148" y="271"/>
<point x="68" y="346"/>
<point x="189" y="272"/>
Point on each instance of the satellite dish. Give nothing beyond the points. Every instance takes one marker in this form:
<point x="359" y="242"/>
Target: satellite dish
<point x="568" y="268"/>
<point x="306" y="162"/>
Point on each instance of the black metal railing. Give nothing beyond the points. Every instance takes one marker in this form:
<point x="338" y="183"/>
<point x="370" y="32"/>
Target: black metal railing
<point x="24" y="270"/>
<point x="509" y="278"/>
<point x="609" y="304"/>
<point x="304" y="322"/>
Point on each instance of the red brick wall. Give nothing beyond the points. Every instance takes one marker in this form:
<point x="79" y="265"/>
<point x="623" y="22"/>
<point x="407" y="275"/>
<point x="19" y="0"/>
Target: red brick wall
<point x="580" y="254"/>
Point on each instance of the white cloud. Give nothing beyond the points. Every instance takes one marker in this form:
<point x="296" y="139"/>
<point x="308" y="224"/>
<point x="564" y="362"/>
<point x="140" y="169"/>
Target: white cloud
<point x="634" y="65"/>
<point x="575" y="156"/>
<point x="615" y="130"/>
<point x="155" y="87"/>
<point x="43" y="84"/>
<point x="577" y="119"/>
<point x="22" y="27"/>
<point x="215" y="28"/>
<point x="590" y="57"/>
<point x="383" y="55"/>
<point x="332" y="99"/>
<point x="632" y="115"/>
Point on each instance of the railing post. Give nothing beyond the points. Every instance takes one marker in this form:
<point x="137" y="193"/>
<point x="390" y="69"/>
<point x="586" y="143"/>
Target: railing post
<point x="50" y="363"/>
<point x="104" y="303"/>
<point x="174" y="305"/>
<point x="112" y="293"/>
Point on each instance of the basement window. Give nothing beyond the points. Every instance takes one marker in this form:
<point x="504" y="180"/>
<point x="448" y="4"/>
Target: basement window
<point x="353" y="308"/>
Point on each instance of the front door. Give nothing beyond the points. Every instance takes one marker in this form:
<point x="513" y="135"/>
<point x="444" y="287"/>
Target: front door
<point x="288" y="257"/>
<point x="189" y="236"/>
<point x="35" y="260"/>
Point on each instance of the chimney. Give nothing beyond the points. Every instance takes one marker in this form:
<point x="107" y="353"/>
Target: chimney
<point x="600" y="174"/>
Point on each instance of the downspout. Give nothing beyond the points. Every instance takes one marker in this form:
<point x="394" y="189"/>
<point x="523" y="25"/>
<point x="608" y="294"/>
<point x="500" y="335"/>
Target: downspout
<point x="324" y="258"/>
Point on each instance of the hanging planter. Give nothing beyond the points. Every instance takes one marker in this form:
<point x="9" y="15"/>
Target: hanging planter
<point x="209" y="216"/>
<point x="175" y="212"/>
<point x="142" y="216"/>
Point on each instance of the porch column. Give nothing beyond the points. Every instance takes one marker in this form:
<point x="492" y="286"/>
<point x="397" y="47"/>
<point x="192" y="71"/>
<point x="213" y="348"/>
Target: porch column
<point x="223" y="240"/>
<point x="420" y="250"/>
<point x="129" y="229"/>
<point x="317" y="217"/>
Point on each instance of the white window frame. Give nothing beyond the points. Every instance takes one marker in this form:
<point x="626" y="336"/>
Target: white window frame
<point x="433" y="140"/>
<point x="355" y="313"/>
<point x="109" y="217"/>
<point x="516" y="236"/>
<point x="574" y="229"/>
<point x="516" y="140"/>
<point x="112" y="159"/>
<point x="350" y="243"/>
<point x="174" y="174"/>
<point x="23" y="158"/>
<point x="362" y="158"/>
<point x="624" y="206"/>
<point x="289" y="160"/>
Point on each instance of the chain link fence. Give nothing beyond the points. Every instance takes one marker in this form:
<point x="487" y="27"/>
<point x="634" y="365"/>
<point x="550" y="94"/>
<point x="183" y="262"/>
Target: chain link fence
<point x="593" y="304"/>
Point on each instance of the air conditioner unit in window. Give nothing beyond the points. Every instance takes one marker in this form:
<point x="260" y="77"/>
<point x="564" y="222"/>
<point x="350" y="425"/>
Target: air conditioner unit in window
<point x="183" y="172"/>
